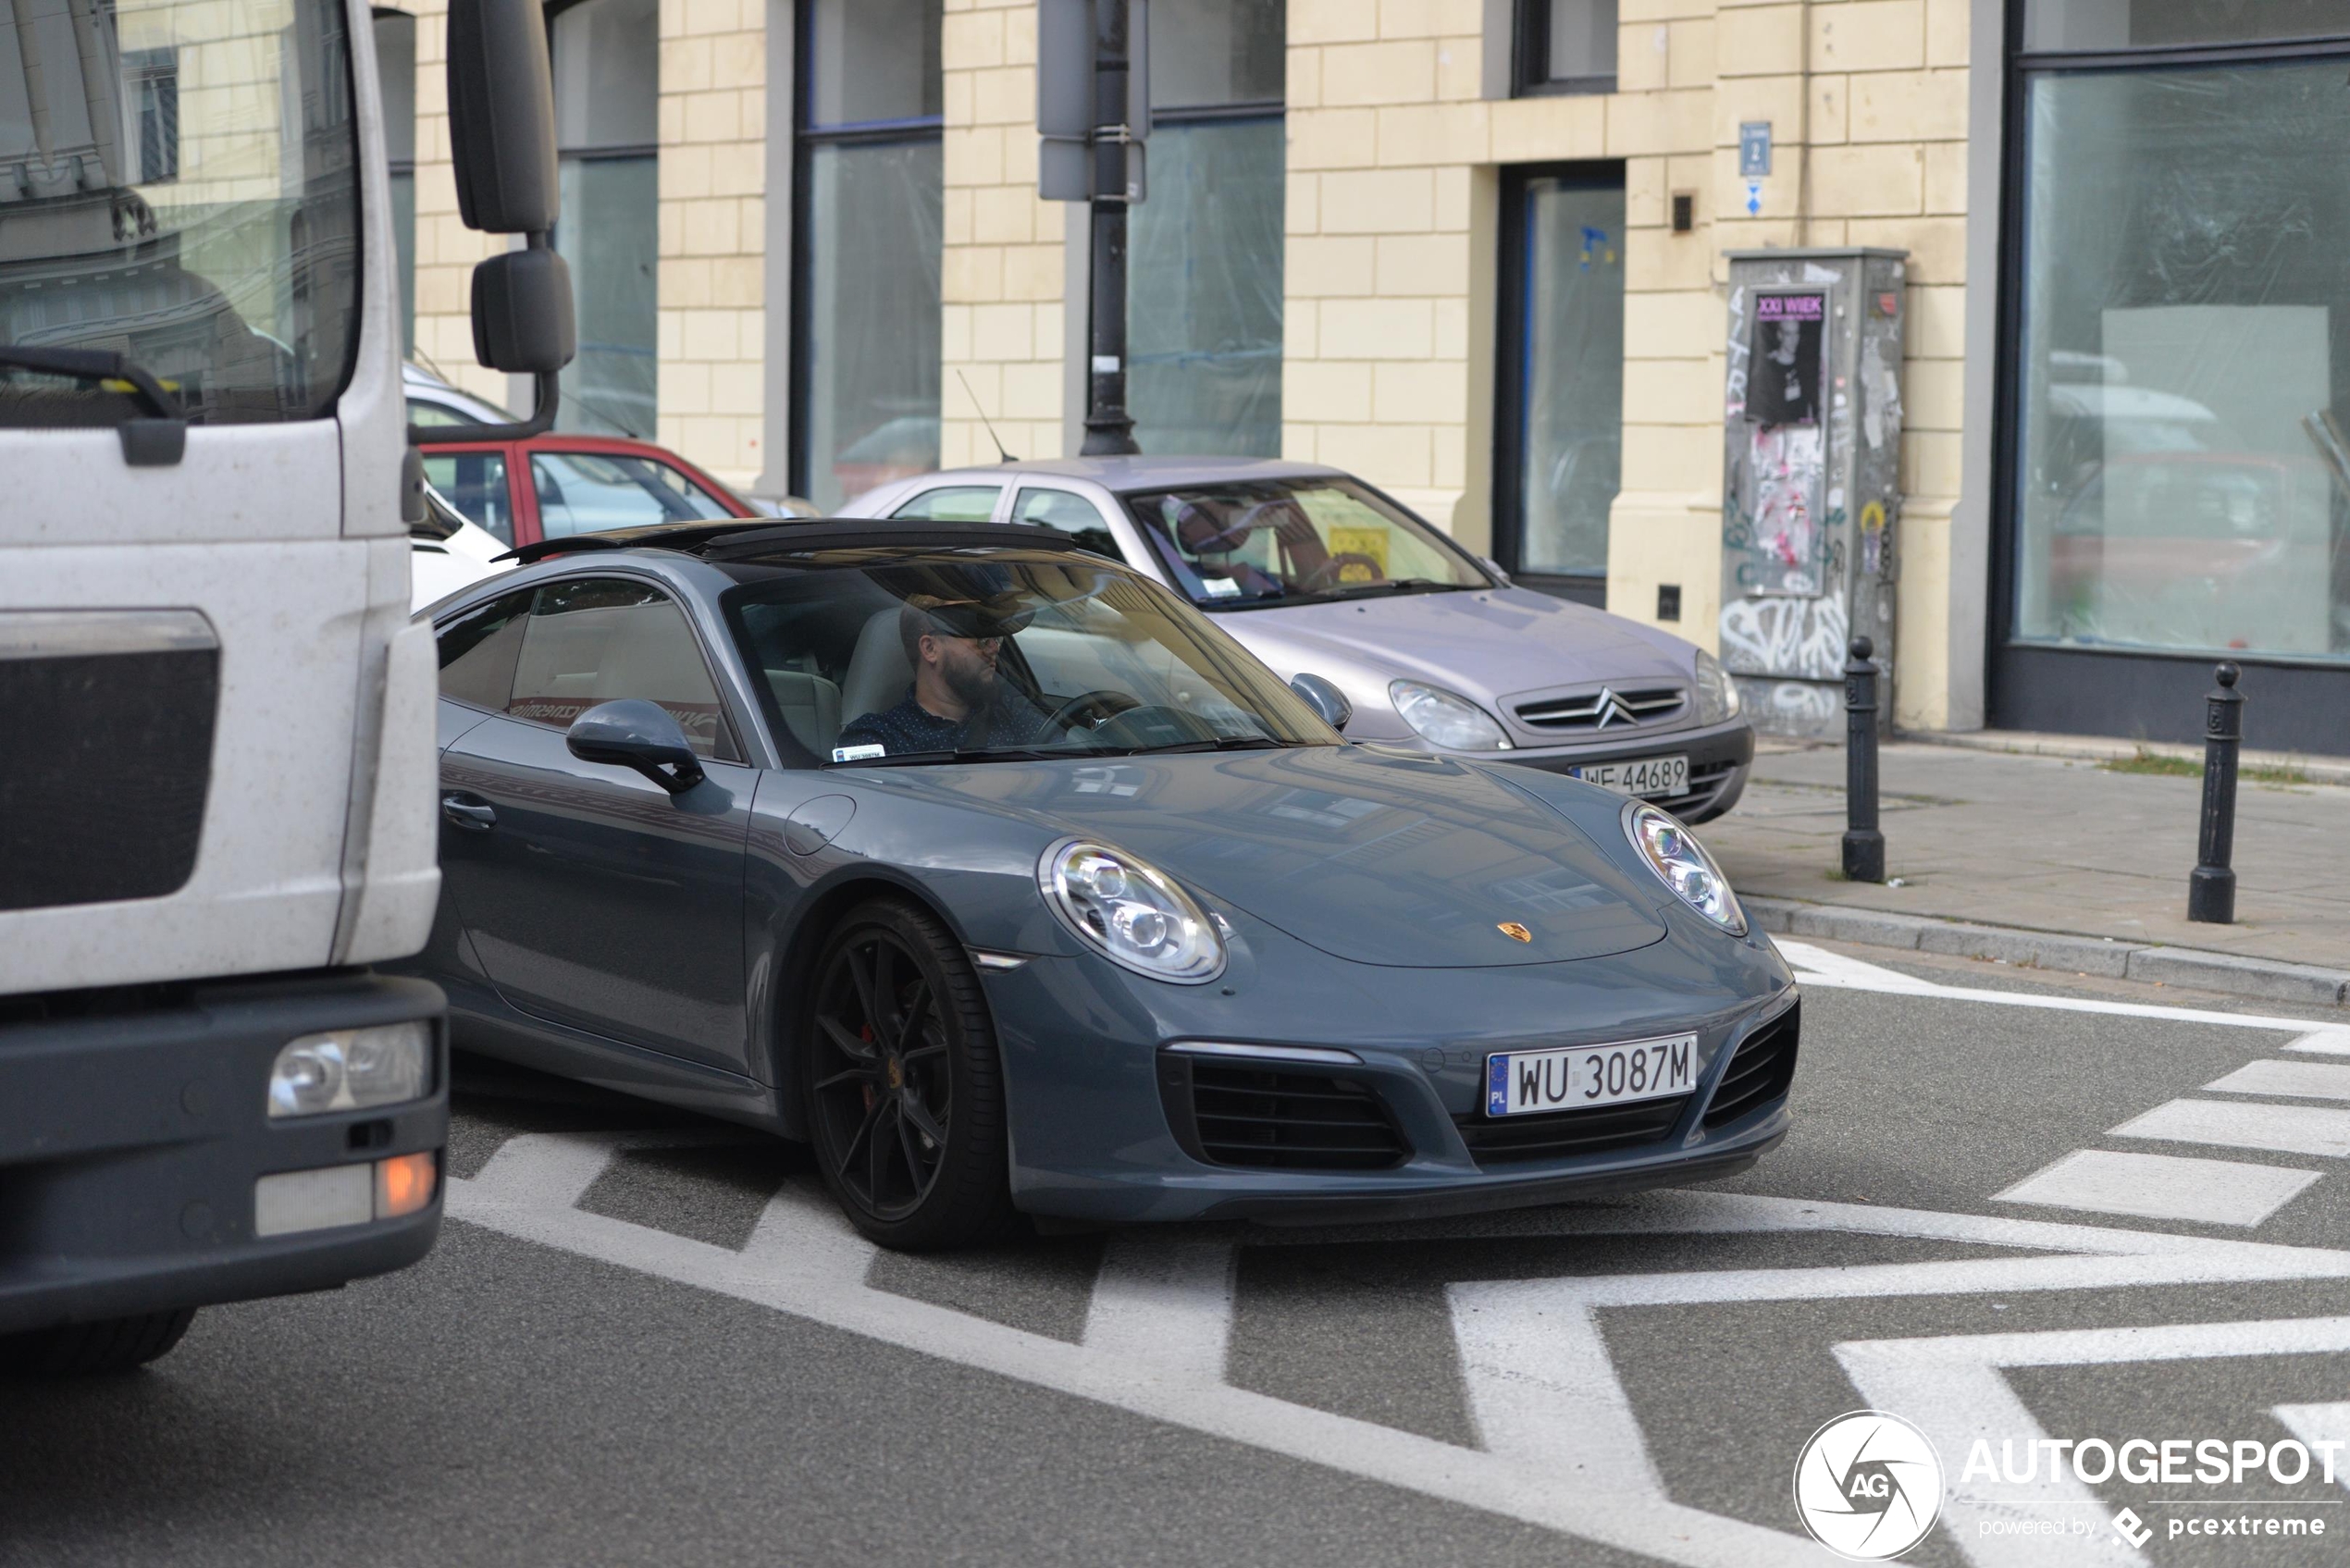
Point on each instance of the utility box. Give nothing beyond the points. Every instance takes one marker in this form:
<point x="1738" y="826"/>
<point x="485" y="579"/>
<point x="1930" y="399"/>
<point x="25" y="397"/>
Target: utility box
<point x="1811" y="485"/>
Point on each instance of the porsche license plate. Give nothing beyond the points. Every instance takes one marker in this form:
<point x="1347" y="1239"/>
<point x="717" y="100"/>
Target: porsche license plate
<point x="1643" y="775"/>
<point x="1524" y="1082"/>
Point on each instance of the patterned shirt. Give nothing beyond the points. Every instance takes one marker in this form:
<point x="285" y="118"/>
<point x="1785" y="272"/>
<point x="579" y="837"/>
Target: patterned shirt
<point x="1010" y="720"/>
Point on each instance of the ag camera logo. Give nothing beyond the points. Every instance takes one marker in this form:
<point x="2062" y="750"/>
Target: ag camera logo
<point x="1868" y="1485"/>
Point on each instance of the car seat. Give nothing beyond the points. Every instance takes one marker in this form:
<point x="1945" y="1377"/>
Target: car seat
<point x="878" y="675"/>
<point x="810" y="708"/>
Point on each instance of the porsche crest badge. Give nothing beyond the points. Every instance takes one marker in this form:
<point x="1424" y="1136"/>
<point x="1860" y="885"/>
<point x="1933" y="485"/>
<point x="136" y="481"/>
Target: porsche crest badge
<point x="1515" y="932"/>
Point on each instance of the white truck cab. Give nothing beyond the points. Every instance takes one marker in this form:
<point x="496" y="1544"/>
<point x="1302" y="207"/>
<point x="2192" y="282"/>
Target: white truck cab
<point x="217" y="804"/>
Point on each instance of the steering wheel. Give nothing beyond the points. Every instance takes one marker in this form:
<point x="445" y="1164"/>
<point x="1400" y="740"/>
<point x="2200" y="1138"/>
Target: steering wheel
<point x="1091" y="709"/>
<point x="1330" y="572"/>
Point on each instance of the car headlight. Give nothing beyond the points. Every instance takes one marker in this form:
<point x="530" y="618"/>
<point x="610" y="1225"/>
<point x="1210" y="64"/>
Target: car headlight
<point x="1442" y="719"/>
<point x="1717" y="694"/>
<point x="1673" y="854"/>
<point x="1130" y="911"/>
<point x="352" y="1069"/>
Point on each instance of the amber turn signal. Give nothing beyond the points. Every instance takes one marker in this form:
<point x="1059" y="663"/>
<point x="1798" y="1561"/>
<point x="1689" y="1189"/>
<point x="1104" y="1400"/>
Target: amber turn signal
<point x="404" y="1184"/>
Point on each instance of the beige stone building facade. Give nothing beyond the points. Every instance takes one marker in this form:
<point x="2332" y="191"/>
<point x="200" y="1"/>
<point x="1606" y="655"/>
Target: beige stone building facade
<point x="1348" y="213"/>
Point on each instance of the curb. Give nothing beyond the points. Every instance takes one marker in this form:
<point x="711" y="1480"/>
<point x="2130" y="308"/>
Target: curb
<point x="2098" y="748"/>
<point x="2304" y="984"/>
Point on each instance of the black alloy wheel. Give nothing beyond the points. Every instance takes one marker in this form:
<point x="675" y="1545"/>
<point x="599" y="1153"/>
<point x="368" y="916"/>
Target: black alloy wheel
<point x="903" y="1088"/>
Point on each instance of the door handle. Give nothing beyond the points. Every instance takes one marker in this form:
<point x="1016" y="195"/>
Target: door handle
<point x="464" y="813"/>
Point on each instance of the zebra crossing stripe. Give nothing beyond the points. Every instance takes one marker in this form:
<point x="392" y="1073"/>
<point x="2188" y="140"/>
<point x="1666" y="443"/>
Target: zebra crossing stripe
<point x="2307" y="1081"/>
<point x="2162" y="1187"/>
<point x="2333" y="1041"/>
<point x="1543" y="1389"/>
<point x="2287" y="1129"/>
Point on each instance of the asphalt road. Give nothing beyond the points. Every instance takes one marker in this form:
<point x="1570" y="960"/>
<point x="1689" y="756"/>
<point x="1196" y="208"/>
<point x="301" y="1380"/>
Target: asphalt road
<point x="624" y="1352"/>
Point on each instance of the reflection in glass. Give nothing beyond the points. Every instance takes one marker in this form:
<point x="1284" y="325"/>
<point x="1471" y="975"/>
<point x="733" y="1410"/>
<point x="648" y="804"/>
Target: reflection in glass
<point x="1210" y="53"/>
<point x="1573" y="389"/>
<point x="871" y="321"/>
<point x="1203" y="292"/>
<point x="607" y="57"/>
<point x="2181" y="480"/>
<point x="2124" y="24"/>
<point x="875" y="60"/>
<point x="588" y="492"/>
<point x="396" y="78"/>
<point x="210" y="234"/>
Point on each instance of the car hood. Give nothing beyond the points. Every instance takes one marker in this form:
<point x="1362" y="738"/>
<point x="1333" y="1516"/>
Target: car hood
<point x="1372" y="857"/>
<point x="1486" y="645"/>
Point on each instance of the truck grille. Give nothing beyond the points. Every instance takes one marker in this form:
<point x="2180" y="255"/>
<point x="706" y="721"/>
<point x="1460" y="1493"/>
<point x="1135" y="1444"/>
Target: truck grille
<point x="1276" y="1118"/>
<point x="1760" y="1073"/>
<point x="1603" y="709"/>
<point x="1509" y="1140"/>
<point x="102" y="785"/>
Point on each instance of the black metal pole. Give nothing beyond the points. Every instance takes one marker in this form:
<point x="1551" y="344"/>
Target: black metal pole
<point x="1109" y="431"/>
<point x="1863" y="844"/>
<point x="2211" y="891"/>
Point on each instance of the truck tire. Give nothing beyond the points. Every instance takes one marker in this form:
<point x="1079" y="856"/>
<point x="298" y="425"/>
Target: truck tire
<point x="80" y="1349"/>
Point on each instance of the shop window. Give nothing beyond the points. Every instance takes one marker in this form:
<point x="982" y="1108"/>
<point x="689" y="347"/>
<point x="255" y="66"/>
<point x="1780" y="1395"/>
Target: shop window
<point x="2181" y="467"/>
<point x="1561" y="400"/>
<point x="607" y="57"/>
<point x="1204" y="268"/>
<point x="1566" y="46"/>
<point x="2076" y="26"/>
<point x="870" y="225"/>
<point x="396" y="83"/>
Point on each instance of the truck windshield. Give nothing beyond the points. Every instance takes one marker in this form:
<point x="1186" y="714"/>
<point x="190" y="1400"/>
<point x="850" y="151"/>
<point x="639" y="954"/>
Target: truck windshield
<point x="179" y="185"/>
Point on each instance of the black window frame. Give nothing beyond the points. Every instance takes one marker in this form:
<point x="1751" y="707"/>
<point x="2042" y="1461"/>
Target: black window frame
<point x="1530" y="56"/>
<point x="807" y="137"/>
<point x="1512" y="347"/>
<point x="2036" y="685"/>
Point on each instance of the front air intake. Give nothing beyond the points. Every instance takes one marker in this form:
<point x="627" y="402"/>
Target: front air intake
<point x="1270" y="1119"/>
<point x="1759" y="1072"/>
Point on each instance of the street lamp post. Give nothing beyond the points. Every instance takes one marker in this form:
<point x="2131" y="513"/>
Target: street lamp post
<point x="1092" y="113"/>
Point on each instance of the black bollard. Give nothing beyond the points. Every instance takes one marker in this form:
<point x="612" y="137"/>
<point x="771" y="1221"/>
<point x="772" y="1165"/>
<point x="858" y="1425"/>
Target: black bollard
<point x="1863" y="845"/>
<point x="2211" y="891"/>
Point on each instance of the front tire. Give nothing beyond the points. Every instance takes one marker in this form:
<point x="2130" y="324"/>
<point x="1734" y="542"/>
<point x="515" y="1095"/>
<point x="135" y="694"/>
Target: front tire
<point x="903" y="1084"/>
<point x="82" y="1349"/>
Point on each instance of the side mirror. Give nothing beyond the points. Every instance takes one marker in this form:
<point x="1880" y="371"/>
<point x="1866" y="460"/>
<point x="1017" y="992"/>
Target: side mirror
<point x="639" y="735"/>
<point x="502" y="147"/>
<point x="1324" y="699"/>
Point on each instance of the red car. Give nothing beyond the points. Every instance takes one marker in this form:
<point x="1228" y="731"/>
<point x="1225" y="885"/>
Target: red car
<point x="552" y="486"/>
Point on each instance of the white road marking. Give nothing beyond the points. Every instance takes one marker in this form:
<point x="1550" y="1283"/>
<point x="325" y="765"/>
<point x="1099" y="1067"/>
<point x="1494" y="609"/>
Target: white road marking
<point x="1165" y="1302"/>
<point x="1952" y="1386"/>
<point x="2314" y="1423"/>
<point x="2162" y="1187"/>
<point x="1544" y="1392"/>
<point x="2308" y="1080"/>
<point x="2334" y="1041"/>
<point x="2290" y="1129"/>
<point x="1817" y="966"/>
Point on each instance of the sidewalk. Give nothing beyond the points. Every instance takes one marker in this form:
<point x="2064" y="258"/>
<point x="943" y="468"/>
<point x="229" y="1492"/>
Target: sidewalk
<point x="2097" y="860"/>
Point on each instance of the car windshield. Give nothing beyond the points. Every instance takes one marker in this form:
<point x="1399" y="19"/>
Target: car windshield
<point x="1235" y="544"/>
<point x="209" y="237"/>
<point x="872" y="658"/>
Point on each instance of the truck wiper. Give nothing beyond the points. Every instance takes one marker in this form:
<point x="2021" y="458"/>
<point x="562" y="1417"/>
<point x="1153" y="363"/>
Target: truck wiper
<point x="158" y="441"/>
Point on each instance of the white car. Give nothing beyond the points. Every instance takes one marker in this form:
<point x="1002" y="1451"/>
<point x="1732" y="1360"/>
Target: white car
<point x="447" y="552"/>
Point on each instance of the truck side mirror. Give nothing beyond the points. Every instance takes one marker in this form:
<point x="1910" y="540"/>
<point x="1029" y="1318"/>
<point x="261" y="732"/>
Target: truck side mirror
<point x="501" y="142"/>
<point x="502" y="115"/>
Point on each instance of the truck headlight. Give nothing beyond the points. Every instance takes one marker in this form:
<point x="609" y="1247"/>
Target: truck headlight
<point x="1717" y="694"/>
<point x="1442" y="719"/>
<point x="1681" y="862"/>
<point x="352" y="1069"/>
<point x="1130" y="911"/>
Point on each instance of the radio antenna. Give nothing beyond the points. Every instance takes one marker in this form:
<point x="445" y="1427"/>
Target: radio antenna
<point x="1000" y="452"/>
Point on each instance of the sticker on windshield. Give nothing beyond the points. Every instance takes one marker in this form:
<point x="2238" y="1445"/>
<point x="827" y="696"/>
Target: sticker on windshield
<point x="859" y="753"/>
<point x="1220" y="588"/>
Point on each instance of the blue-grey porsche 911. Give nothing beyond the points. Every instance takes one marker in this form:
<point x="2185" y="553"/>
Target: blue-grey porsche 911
<point x="1011" y="884"/>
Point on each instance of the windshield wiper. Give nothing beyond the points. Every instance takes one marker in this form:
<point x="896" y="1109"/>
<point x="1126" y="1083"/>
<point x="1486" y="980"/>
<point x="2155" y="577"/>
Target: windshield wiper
<point x="1398" y="585"/>
<point x="1222" y="742"/>
<point x="157" y="441"/>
